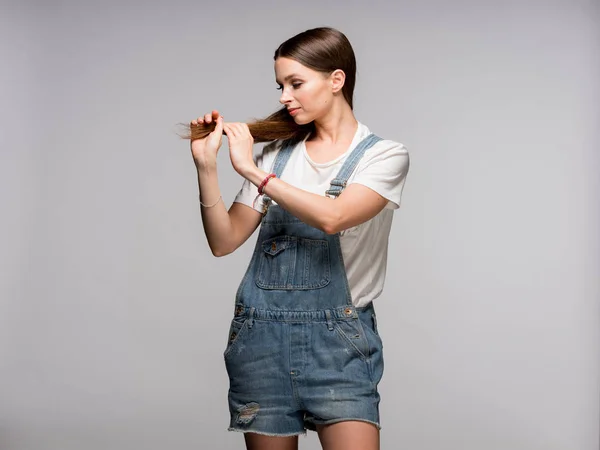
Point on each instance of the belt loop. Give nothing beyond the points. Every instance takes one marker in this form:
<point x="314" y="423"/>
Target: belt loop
<point x="329" y="321"/>
<point x="251" y="317"/>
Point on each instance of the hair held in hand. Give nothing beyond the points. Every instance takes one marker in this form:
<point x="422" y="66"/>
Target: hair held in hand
<point x="279" y="125"/>
<point x="322" y="49"/>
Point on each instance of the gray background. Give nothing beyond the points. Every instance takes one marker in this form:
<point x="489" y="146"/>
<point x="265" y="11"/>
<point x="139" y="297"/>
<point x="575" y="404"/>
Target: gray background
<point x="114" y="314"/>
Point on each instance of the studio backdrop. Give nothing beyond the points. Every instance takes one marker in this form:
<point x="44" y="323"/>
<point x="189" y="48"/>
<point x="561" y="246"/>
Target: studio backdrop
<point x="113" y="312"/>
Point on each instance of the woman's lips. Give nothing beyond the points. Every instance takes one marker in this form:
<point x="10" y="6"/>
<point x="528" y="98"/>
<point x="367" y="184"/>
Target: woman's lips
<point x="293" y="111"/>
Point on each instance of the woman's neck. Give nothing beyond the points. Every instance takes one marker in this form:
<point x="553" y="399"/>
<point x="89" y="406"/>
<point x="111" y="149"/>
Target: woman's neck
<point x="338" y="126"/>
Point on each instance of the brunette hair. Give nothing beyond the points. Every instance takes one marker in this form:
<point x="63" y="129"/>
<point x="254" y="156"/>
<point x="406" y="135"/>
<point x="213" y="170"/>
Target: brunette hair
<point x="322" y="49"/>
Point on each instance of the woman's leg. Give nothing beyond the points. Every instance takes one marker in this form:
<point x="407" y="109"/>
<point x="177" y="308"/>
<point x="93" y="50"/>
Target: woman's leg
<point x="349" y="435"/>
<point x="256" y="441"/>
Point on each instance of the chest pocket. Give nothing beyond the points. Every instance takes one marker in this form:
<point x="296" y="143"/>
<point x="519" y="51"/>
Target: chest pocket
<point x="290" y="262"/>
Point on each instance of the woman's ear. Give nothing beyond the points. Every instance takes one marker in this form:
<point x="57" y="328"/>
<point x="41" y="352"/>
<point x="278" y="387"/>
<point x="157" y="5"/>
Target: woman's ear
<point x="337" y="79"/>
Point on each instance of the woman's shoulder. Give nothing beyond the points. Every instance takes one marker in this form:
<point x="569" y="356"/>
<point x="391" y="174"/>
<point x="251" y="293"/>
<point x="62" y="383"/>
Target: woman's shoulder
<point x="390" y="145"/>
<point x="385" y="155"/>
<point x="388" y="148"/>
<point x="384" y="144"/>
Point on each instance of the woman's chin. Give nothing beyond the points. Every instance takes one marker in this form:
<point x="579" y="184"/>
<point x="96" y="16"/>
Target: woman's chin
<point x="302" y="120"/>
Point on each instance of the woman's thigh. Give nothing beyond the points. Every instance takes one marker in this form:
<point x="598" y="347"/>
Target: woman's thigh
<point x="349" y="435"/>
<point x="256" y="441"/>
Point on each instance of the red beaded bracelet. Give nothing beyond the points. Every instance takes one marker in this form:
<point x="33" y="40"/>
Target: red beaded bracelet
<point x="261" y="188"/>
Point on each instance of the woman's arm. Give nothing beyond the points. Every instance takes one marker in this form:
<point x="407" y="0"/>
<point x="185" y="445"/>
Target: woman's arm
<point x="355" y="205"/>
<point x="225" y="230"/>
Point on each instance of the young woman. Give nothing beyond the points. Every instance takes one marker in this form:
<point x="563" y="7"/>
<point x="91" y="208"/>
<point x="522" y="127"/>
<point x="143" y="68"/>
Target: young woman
<point x="303" y="349"/>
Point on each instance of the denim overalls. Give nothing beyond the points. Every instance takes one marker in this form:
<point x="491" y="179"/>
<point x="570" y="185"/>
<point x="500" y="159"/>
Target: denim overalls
<point x="299" y="353"/>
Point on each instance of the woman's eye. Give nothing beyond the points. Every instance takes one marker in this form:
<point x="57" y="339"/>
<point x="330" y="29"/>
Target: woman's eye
<point x="294" y="85"/>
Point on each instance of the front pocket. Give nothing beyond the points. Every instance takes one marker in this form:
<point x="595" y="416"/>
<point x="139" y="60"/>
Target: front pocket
<point x="291" y="263"/>
<point x="351" y="331"/>
<point x="237" y="328"/>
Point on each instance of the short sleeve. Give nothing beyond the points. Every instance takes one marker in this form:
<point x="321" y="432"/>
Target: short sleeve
<point x="264" y="161"/>
<point x="383" y="168"/>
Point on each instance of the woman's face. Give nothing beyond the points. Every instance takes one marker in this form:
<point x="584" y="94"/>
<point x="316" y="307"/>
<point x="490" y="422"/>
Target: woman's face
<point x="306" y="93"/>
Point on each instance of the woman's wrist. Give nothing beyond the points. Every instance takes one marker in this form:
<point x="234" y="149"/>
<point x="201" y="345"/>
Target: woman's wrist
<point x="205" y="164"/>
<point x="255" y="175"/>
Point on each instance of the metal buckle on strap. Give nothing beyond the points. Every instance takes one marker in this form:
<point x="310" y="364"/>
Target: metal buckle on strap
<point x="338" y="182"/>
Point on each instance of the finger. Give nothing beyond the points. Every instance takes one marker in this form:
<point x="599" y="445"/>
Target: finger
<point x="227" y="130"/>
<point x="217" y="132"/>
<point x="230" y="130"/>
<point x="219" y="127"/>
<point x="197" y="121"/>
<point x="241" y="132"/>
<point x="215" y="114"/>
<point x="207" y="118"/>
<point x="245" y="129"/>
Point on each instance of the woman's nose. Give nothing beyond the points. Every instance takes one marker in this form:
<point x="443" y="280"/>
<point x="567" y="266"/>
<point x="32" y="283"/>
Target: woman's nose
<point x="285" y="98"/>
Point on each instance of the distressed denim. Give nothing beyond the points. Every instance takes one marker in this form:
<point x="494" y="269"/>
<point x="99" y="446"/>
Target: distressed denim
<point x="298" y="353"/>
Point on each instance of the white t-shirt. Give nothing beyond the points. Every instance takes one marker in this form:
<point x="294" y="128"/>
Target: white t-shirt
<point x="383" y="168"/>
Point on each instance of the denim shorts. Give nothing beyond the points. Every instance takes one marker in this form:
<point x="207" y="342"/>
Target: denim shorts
<point x="292" y="370"/>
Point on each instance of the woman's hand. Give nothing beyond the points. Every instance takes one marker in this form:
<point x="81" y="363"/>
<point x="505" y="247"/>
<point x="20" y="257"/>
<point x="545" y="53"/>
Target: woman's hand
<point x="204" y="151"/>
<point x="240" y="147"/>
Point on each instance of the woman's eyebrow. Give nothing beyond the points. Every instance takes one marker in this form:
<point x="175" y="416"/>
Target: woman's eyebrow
<point x="288" y="77"/>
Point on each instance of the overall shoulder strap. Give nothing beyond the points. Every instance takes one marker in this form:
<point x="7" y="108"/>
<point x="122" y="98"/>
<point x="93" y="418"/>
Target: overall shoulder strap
<point x="338" y="183"/>
<point x="281" y="159"/>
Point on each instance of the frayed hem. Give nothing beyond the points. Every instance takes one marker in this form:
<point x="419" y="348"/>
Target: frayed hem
<point x="311" y="425"/>
<point x="264" y="433"/>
